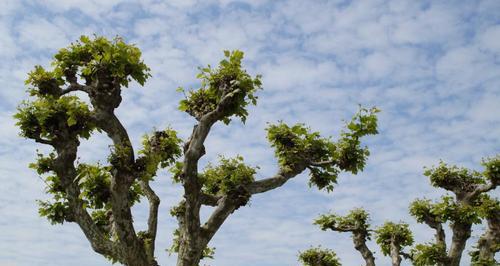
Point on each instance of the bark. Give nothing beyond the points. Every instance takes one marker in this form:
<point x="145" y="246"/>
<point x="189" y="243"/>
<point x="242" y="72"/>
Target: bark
<point x="461" y="233"/>
<point x="489" y="243"/>
<point x="154" y="202"/>
<point x="395" y="253"/>
<point x="359" y="239"/>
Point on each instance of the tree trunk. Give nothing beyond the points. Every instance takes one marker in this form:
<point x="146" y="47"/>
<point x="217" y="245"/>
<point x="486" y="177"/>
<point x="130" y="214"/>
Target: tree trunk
<point x="461" y="233"/>
<point x="187" y="258"/>
<point x="360" y="245"/>
<point x="489" y="241"/>
<point x="395" y="256"/>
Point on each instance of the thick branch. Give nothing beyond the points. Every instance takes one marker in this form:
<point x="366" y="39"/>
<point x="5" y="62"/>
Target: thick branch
<point x="264" y="185"/>
<point x="121" y="181"/>
<point x="224" y="209"/>
<point x="461" y="233"/>
<point x="432" y="222"/>
<point x="482" y="188"/>
<point x="64" y="168"/>
<point x="210" y="200"/>
<point x="489" y="243"/>
<point x="43" y="141"/>
<point x="74" y="86"/>
<point x="154" y="202"/>
<point x="395" y="253"/>
<point x="359" y="239"/>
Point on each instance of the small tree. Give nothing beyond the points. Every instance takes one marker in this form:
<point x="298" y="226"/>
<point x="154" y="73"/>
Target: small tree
<point x="392" y="237"/>
<point x="471" y="205"/>
<point x="99" y="197"/>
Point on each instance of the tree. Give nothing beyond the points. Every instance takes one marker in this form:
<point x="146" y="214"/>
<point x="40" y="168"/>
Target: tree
<point x="98" y="197"/>
<point x="392" y="237"/>
<point x="470" y="205"/>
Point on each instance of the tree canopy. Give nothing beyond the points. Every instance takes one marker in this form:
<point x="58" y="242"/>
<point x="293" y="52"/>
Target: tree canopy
<point x="98" y="197"/>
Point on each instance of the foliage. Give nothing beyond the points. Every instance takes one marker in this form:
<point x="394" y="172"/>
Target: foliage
<point x="489" y="207"/>
<point x="227" y="80"/>
<point x="97" y="56"/>
<point x="49" y="117"/>
<point x="95" y="181"/>
<point x="319" y="257"/>
<point x="453" y="178"/>
<point x="428" y="254"/>
<point x="447" y="209"/>
<point x="397" y="233"/>
<point x="56" y="212"/>
<point x="297" y="146"/>
<point x="357" y="219"/>
<point x="350" y="156"/>
<point x="159" y="149"/>
<point x="227" y="176"/>
<point x="420" y="209"/>
<point x="492" y="169"/>
<point x="477" y="261"/>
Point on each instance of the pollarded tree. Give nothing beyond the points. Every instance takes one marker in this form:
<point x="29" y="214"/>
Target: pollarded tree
<point x="99" y="197"/>
<point x="469" y="206"/>
<point x="391" y="237"/>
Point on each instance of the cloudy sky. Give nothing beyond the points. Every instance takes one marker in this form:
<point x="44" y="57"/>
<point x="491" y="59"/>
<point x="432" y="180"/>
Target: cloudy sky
<point x="431" y="66"/>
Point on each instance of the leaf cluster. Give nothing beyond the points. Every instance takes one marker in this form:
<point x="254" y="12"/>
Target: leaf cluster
<point x="355" y="220"/>
<point x="50" y="117"/>
<point x="350" y="155"/>
<point x="454" y="178"/>
<point x="160" y="149"/>
<point x="397" y="233"/>
<point x="94" y="182"/>
<point x="319" y="257"/>
<point x="227" y="80"/>
<point x="428" y="254"/>
<point x="492" y="169"/>
<point x="227" y="176"/>
<point x="93" y="58"/>
<point x="56" y="212"/>
<point x="447" y="209"/>
<point x="297" y="146"/>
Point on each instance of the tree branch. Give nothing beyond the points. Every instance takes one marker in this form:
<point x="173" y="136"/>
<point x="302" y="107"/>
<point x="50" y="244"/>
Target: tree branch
<point x="210" y="200"/>
<point x="263" y="185"/>
<point x="65" y="169"/>
<point x="43" y="141"/>
<point x="224" y="209"/>
<point x="432" y="222"/>
<point x="154" y="202"/>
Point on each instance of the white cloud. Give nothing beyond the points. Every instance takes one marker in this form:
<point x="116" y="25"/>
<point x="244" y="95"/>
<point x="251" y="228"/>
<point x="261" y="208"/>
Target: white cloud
<point x="39" y="33"/>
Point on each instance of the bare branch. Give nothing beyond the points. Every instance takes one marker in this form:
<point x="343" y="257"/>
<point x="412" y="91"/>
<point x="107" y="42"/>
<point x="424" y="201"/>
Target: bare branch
<point x="322" y="163"/>
<point x="210" y="200"/>
<point x="263" y="185"/>
<point x="154" y="202"/>
<point x="43" y="141"/>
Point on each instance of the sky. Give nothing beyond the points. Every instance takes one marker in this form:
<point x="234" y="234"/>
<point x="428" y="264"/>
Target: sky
<point x="432" y="67"/>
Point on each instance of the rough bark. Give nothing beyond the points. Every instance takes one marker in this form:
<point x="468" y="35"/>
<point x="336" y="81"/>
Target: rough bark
<point x="395" y="253"/>
<point x="461" y="233"/>
<point x="359" y="239"/>
<point x="489" y="243"/>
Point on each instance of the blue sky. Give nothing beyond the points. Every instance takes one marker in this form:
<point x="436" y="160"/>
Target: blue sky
<point x="431" y="66"/>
